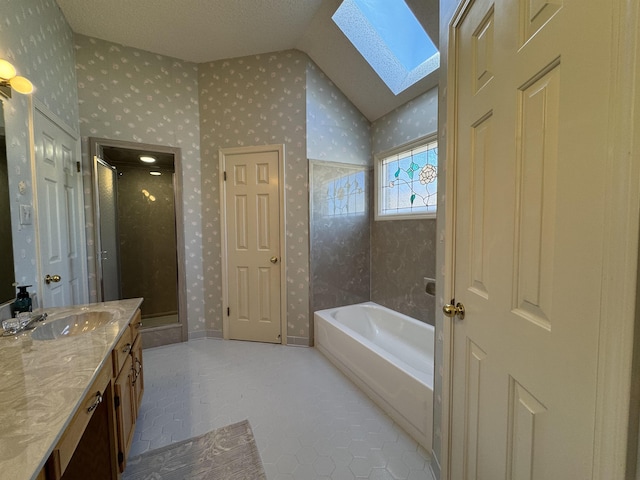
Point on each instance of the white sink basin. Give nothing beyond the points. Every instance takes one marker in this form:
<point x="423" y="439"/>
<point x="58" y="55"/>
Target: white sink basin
<point x="72" y="325"/>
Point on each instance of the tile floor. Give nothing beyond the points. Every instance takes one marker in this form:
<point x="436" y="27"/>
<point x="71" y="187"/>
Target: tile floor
<point x="310" y="422"/>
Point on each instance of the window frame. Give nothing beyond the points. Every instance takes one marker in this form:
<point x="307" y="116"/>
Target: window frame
<point x="377" y="179"/>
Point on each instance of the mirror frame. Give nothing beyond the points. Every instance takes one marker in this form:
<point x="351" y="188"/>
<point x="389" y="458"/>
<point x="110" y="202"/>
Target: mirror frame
<point x="5" y="303"/>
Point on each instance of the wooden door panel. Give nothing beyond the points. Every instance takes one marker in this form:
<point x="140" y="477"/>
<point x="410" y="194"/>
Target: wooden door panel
<point x="526" y="154"/>
<point x="59" y="212"/>
<point x="535" y="215"/>
<point x="253" y="245"/>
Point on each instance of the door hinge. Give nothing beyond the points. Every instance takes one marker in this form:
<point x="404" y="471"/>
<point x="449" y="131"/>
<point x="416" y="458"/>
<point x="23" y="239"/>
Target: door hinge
<point x="224" y="174"/>
<point x="228" y="312"/>
<point x="116" y="401"/>
<point x="78" y="167"/>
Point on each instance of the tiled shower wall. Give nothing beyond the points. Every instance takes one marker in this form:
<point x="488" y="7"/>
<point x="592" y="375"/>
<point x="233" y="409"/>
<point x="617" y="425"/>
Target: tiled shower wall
<point x="147" y="234"/>
<point x="403" y="252"/>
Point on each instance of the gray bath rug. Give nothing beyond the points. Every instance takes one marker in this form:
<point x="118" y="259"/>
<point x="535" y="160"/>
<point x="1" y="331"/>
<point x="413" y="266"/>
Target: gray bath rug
<point x="228" y="453"/>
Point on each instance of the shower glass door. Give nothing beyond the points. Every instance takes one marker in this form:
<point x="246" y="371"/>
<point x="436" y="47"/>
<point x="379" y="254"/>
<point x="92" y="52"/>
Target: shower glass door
<point x="107" y="218"/>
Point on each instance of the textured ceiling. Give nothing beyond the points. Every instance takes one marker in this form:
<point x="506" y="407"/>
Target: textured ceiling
<point x="207" y="30"/>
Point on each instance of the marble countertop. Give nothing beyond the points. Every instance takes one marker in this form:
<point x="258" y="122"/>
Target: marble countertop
<point x="43" y="382"/>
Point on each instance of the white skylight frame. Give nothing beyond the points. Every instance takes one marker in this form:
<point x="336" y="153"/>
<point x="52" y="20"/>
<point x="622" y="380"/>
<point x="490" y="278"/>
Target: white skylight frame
<point x="363" y="35"/>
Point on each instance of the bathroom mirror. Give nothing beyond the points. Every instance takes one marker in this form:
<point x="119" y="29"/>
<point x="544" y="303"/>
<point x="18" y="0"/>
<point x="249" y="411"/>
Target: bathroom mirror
<point x="7" y="276"/>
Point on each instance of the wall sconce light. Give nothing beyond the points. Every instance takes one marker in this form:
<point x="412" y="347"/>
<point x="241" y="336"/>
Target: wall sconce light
<point x="9" y="80"/>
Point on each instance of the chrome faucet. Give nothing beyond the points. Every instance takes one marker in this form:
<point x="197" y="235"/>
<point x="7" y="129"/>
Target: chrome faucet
<point x="24" y="321"/>
<point x="39" y="317"/>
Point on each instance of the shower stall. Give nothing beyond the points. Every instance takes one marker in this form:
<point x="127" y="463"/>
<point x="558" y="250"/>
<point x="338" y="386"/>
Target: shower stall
<point x="138" y="235"/>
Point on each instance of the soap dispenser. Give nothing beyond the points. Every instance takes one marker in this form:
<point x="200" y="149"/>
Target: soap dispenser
<point x="23" y="301"/>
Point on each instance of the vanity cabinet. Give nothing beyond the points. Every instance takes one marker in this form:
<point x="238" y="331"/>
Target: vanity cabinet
<point x="96" y="442"/>
<point x="128" y="387"/>
<point x="85" y="448"/>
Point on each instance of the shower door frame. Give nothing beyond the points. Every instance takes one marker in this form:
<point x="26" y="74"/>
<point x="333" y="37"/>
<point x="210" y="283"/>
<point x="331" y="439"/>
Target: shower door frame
<point x="95" y="148"/>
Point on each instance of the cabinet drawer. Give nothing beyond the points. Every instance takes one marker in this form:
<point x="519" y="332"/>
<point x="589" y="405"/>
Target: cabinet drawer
<point x="121" y="351"/>
<point x="135" y="325"/>
<point x="62" y="453"/>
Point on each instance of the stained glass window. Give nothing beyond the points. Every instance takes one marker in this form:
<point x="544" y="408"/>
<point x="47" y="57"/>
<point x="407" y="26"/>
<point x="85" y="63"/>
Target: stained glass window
<point x="408" y="182"/>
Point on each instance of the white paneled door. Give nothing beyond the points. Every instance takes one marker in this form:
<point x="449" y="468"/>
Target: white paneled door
<point x="531" y="82"/>
<point x="59" y="213"/>
<point x="251" y="199"/>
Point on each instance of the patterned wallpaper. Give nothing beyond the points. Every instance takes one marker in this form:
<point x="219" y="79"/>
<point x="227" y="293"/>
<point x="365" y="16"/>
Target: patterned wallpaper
<point x="35" y="37"/>
<point x="414" y="119"/>
<point x="257" y="100"/>
<point x="137" y="96"/>
<point x="336" y="130"/>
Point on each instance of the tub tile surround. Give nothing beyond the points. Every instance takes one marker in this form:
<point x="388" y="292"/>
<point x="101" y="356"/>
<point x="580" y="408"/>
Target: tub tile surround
<point x="397" y="275"/>
<point x="403" y="251"/>
<point x="310" y="421"/>
<point x="340" y="231"/>
<point x="43" y="383"/>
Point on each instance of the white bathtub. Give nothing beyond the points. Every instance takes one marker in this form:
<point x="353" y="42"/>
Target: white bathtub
<point x="388" y="355"/>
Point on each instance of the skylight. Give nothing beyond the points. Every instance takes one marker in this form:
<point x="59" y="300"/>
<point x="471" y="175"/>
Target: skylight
<point x="388" y="35"/>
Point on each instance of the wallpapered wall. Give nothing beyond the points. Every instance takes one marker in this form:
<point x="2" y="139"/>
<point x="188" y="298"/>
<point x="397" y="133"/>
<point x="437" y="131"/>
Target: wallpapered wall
<point x="336" y="130"/>
<point x="257" y="100"/>
<point x="403" y="251"/>
<point x="339" y="152"/>
<point x="129" y="94"/>
<point x="35" y="37"/>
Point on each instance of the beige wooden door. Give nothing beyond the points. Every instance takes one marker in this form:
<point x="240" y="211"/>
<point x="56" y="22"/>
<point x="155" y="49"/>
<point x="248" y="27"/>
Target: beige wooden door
<point x="530" y="88"/>
<point x="252" y="211"/>
<point x="60" y="216"/>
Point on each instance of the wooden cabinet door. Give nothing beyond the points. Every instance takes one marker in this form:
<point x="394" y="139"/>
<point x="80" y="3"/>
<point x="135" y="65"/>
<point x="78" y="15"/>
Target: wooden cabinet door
<point x="124" y="399"/>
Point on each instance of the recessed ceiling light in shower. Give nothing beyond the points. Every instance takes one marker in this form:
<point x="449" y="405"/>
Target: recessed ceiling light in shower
<point x="147" y="159"/>
<point x="155" y="173"/>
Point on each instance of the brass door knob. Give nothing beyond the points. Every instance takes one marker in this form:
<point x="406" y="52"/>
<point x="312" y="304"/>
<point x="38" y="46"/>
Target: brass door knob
<point x="452" y="311"/>
<point x="273" y="259"/>
<point x="52" y="278"/>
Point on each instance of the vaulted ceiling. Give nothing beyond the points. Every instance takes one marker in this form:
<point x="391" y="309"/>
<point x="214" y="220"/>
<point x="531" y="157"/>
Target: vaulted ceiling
<point x="208" y="30"/>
